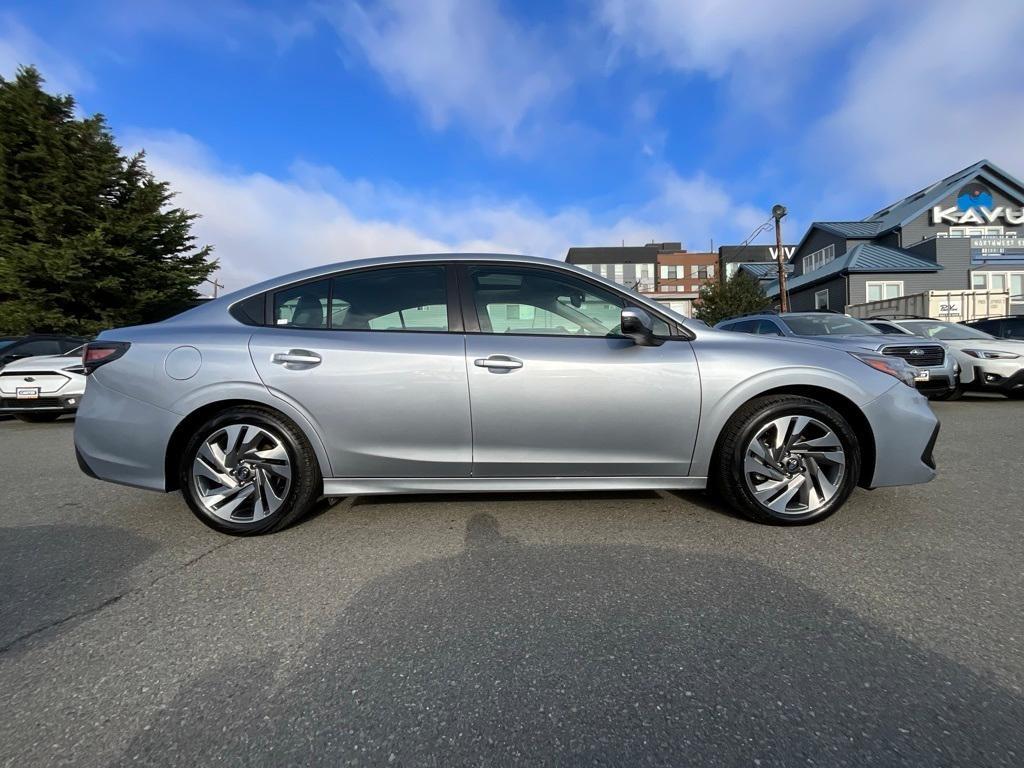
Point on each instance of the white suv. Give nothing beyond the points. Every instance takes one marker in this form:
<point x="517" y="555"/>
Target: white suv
<point x="44" y="387"/>
<point x="987" y="364"/>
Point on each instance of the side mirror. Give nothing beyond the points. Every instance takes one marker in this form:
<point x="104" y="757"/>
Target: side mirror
<point x="638" y="325"/>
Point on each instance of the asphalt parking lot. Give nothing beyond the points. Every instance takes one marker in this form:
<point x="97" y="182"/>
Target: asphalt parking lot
<point x="618" y="629"/>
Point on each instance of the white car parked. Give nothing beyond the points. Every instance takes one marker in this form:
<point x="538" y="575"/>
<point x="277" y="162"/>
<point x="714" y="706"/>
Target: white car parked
<point x="42" y="388"/>
<point x="987" y="364"/>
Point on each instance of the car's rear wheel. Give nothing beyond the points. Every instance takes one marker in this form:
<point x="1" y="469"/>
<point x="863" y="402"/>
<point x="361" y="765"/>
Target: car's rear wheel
<point x="249" y="470"/>
<point x="787" y="460"/>
<point x="38" y="418"/>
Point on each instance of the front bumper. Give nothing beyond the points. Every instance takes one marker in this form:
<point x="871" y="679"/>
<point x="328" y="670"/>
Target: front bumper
<point x="905" y="430"/>
<point x="53" y="404"/>
<point x="1001" y="380"/>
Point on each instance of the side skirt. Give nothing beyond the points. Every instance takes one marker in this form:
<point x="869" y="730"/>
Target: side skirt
<point x="372" y="486"/>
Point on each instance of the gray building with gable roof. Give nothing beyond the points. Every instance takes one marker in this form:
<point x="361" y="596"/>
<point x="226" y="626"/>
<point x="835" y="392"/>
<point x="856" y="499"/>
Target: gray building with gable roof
<point x="963" y="232"/>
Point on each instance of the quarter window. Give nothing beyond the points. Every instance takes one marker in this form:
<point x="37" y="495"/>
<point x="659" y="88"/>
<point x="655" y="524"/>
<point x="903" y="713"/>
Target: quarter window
<point x="542" y="302"/>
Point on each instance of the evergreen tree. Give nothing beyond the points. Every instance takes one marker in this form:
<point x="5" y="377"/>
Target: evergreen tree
<point x="738" y="295"/>
<point x="88" y="238"/>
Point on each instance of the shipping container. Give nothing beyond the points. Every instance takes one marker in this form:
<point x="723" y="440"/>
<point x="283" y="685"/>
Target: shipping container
<point x="954" y="306"/>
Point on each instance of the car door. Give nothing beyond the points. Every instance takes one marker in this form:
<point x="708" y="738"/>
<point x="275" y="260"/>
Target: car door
<point x="556" y="391"/>
<point x="377" y="357"/>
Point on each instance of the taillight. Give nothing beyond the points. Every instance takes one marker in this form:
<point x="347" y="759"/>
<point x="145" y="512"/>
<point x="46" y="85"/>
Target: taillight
<point x="97" y="353"/>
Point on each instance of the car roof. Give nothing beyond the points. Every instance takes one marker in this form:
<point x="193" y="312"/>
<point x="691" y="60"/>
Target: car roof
<point x="214" y="307"/>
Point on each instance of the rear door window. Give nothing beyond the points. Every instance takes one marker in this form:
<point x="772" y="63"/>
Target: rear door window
<point x="392" y="299"/>
<point x="302" y="306"/>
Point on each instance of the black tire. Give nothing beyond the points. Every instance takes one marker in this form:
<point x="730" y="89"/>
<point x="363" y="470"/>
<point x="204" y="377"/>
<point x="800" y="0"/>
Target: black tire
<point x="728" y="477"/>
<point x="949" y="395"/>
<point x="304" y="488"/>
<point x="38" y="418"/>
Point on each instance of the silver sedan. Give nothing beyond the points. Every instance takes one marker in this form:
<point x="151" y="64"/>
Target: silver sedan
<point x="475" y="372"/>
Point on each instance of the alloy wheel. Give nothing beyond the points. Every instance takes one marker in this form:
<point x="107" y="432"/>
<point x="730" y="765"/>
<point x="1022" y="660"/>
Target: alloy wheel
<point x="794" y="465"/>
<point x="242" y="473"/>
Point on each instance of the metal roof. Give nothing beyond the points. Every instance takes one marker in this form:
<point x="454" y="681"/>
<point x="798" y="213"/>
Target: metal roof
<point x="763" y="269"/>
<point x="913" y="205"/>
<point x="866" y="257"/>
<point x="851" y="229"/>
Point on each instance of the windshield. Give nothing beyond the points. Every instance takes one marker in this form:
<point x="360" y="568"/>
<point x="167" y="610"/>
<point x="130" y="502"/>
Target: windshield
<point x="828" y="325"/>
<point x="939" y="329"/>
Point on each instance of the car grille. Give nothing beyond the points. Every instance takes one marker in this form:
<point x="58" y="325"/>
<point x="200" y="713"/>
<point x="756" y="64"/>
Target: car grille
<point x="39" y="402"/>
<point x="920" y="355"/>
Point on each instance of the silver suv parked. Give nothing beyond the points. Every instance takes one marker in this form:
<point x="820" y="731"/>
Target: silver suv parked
<point x="468" y="372"/>
<point x="937" y="371"/>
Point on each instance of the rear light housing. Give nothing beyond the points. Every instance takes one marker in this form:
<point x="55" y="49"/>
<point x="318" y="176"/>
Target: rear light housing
<point x="97" y="353"/>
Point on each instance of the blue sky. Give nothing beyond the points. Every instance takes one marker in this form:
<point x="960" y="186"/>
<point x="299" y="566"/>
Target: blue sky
<point x="307" y="132"/>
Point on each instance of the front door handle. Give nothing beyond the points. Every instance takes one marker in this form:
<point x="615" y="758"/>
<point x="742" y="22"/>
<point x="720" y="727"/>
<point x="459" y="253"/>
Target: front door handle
<point x="498" y="362"/>
<point x="297" y="358"/>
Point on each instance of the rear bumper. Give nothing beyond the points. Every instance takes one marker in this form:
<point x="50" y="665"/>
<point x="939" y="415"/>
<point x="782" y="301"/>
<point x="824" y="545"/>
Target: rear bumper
<point x="905" y="431"/>
<point x="122" y="440"/>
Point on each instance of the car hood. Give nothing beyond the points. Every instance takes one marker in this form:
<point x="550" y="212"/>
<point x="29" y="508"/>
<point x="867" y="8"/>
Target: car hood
<point x="42" y="363"/>
<point x="996" y="345"/>
<point x="870" y="342"/>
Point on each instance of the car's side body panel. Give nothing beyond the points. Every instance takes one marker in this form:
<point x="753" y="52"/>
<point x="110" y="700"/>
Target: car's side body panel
<point x="387" y="404"/>
<point x="582" y="407"/>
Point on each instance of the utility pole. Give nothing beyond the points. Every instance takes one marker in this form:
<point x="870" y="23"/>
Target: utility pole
<point x="778" y="211"/>
<point x="215" y="284"/>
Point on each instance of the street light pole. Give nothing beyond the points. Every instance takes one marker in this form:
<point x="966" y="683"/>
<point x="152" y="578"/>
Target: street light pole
<point x="778" y="211"/>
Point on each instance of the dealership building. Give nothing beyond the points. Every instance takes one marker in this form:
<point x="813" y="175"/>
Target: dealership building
<point x="963" y="232"/>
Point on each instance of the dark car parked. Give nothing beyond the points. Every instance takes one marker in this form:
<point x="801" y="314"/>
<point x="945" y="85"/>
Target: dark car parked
<point x="1010" y="327"/>
<point x="16" y="347"/>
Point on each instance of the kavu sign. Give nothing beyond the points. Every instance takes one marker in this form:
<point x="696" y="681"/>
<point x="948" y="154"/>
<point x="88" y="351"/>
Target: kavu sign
<point x="974" y="205"/>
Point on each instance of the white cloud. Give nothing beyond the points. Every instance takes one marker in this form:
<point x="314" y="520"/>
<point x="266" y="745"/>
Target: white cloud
<point x="19" y="46"/>
<point x="919" y="104"/>
<point x="263" y="226"/>
<point x="758" y="47"/>
<point x="456" y="59"/>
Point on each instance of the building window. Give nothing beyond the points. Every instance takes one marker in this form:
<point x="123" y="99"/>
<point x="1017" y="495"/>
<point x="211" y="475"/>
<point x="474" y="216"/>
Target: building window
<point x="819" y="258"/>
<point x="979" y="281"/>
<point x="711" y="270"/>
<point x="821" y="299"/>
<point x="1017" y="286"/>
<point x="884" y="289"/>
<point x="998" y="281"/>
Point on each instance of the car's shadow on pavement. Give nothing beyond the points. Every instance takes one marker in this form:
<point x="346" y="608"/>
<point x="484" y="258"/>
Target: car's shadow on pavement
<point x="590" y="654"/>
<point x="56" y="574"/>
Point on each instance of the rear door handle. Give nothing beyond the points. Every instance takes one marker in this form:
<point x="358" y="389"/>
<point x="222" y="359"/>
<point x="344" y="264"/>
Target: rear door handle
<point x="498" y="362"/>
<point x="297" y="358"/>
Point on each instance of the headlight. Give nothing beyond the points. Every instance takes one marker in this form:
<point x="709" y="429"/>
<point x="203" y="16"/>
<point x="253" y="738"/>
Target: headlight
<point x="990" y="354"/>
<point x="893" y="366"/>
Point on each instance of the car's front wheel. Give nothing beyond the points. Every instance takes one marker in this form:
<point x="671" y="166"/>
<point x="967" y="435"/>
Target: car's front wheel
<point x="787" y="460"/>
<point x="248" y="470"/>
